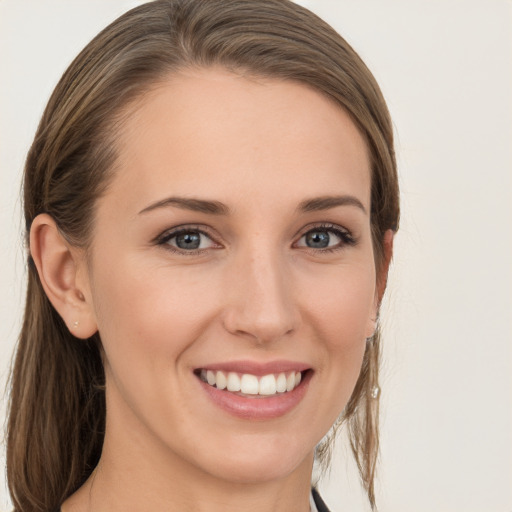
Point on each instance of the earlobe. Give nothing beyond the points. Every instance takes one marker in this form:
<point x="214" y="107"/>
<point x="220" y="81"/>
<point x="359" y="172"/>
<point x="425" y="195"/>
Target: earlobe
<point x="58" y="265"/>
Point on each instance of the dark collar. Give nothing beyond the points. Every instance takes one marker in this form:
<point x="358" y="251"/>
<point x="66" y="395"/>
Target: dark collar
<point x="319" y="502"/>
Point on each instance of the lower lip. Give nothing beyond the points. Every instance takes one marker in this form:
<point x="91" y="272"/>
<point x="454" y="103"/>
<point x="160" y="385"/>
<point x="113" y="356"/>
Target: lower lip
<point x="258" y="408"/>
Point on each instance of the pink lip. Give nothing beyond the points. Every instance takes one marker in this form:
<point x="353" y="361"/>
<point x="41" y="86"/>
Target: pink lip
<point x="256" y="368"/>
<point x="257" y="408"/>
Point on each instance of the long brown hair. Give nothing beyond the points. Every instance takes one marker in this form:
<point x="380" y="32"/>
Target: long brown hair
<point x="57" y="405"/>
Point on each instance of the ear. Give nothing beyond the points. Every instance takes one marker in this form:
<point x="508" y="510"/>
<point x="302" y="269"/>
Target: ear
<point x="62" y="271"/>
<point x="382" y="277"/>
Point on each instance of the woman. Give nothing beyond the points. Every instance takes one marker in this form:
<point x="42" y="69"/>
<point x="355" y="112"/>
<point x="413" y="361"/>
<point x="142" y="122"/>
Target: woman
<point x="210" y="201"/>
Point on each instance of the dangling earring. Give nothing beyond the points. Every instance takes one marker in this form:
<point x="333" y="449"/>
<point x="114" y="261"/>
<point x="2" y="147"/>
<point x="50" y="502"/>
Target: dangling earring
<point x="375" y="391"/>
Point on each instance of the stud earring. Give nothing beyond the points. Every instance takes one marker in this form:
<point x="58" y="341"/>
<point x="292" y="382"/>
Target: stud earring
<point x="76" y="323"/>
<point x="375" y="392"/>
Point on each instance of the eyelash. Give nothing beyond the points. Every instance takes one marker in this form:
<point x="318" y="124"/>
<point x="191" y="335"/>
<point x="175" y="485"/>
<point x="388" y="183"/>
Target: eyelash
<point x="347" y="239"/>
<point x="167" y="236"/>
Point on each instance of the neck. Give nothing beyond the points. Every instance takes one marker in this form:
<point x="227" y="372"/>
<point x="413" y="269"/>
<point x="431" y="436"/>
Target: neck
<point x="137" y="473"/>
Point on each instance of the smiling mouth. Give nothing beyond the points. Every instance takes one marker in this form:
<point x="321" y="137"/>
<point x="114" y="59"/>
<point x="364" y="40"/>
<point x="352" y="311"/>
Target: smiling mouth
<point x="249" y="385"/>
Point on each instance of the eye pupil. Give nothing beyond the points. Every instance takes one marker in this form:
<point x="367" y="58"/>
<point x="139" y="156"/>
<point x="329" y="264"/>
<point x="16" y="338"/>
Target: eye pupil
<point x="317" y="239"/>
<point x="188" y="240"/>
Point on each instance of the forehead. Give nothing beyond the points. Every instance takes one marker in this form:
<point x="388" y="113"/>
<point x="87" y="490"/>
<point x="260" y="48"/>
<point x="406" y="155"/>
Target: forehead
<point x="210" y="132"/>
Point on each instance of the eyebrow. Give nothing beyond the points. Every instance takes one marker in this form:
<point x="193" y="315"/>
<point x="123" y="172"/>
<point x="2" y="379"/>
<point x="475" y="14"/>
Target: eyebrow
<point x="327" y="202"/>
<point x="217" y="208"/>
<point x="196" y="205"/>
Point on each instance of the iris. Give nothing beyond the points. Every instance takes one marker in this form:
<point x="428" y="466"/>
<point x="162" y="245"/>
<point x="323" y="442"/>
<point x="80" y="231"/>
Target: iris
<point x="317" y="239"/>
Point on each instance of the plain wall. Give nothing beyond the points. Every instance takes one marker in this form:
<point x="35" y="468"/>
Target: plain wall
<point x="445" y="67"/>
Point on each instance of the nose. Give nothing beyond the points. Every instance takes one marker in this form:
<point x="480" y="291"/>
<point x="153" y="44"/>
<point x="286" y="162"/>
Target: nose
<point x="260" y="299"/>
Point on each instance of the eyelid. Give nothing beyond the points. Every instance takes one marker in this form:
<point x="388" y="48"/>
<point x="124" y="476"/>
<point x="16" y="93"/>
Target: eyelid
<point x="346" y="236"/>
<point x="163" y="238"/>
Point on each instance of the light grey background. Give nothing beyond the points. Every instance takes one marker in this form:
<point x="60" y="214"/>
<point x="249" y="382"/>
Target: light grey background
<point x="445" y="67"/>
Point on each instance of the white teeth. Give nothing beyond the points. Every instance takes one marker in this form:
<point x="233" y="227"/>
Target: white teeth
<point x="210" y="377"/>
<point x="281" y="383"/>
<point x="233" y="382"/>
<point x="290" y="382"/>
<point x="249" y="384"/>
<point x="221" y="380"/>
<point x="268" y="385"/>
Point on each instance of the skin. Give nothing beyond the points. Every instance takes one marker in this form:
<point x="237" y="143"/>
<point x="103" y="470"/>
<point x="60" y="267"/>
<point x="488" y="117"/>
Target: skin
<point x="255" y="291"/>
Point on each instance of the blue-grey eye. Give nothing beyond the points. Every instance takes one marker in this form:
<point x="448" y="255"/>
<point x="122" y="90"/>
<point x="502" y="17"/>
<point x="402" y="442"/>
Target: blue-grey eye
<point x="188" y="240"/>
<point x="322" y="238"/>
<point x="318" y="239"/>
<point x="191" y="240"/>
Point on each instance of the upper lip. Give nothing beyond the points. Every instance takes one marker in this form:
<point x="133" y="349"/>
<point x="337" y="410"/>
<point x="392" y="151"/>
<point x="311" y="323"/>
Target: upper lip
<point x="256" y="367"/>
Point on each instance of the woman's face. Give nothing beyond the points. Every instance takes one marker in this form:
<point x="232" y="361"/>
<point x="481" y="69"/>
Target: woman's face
<point x="232" y="246"/>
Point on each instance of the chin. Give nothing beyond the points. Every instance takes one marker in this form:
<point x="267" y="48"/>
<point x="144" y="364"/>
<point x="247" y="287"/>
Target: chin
<point x="259" y="460"/>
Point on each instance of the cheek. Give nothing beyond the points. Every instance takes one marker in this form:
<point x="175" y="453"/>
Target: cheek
<point x="151" y="312"/>
<point x="344" y="305"/>
<point x="342" y="314"/>
<point x="149" y="323"/>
